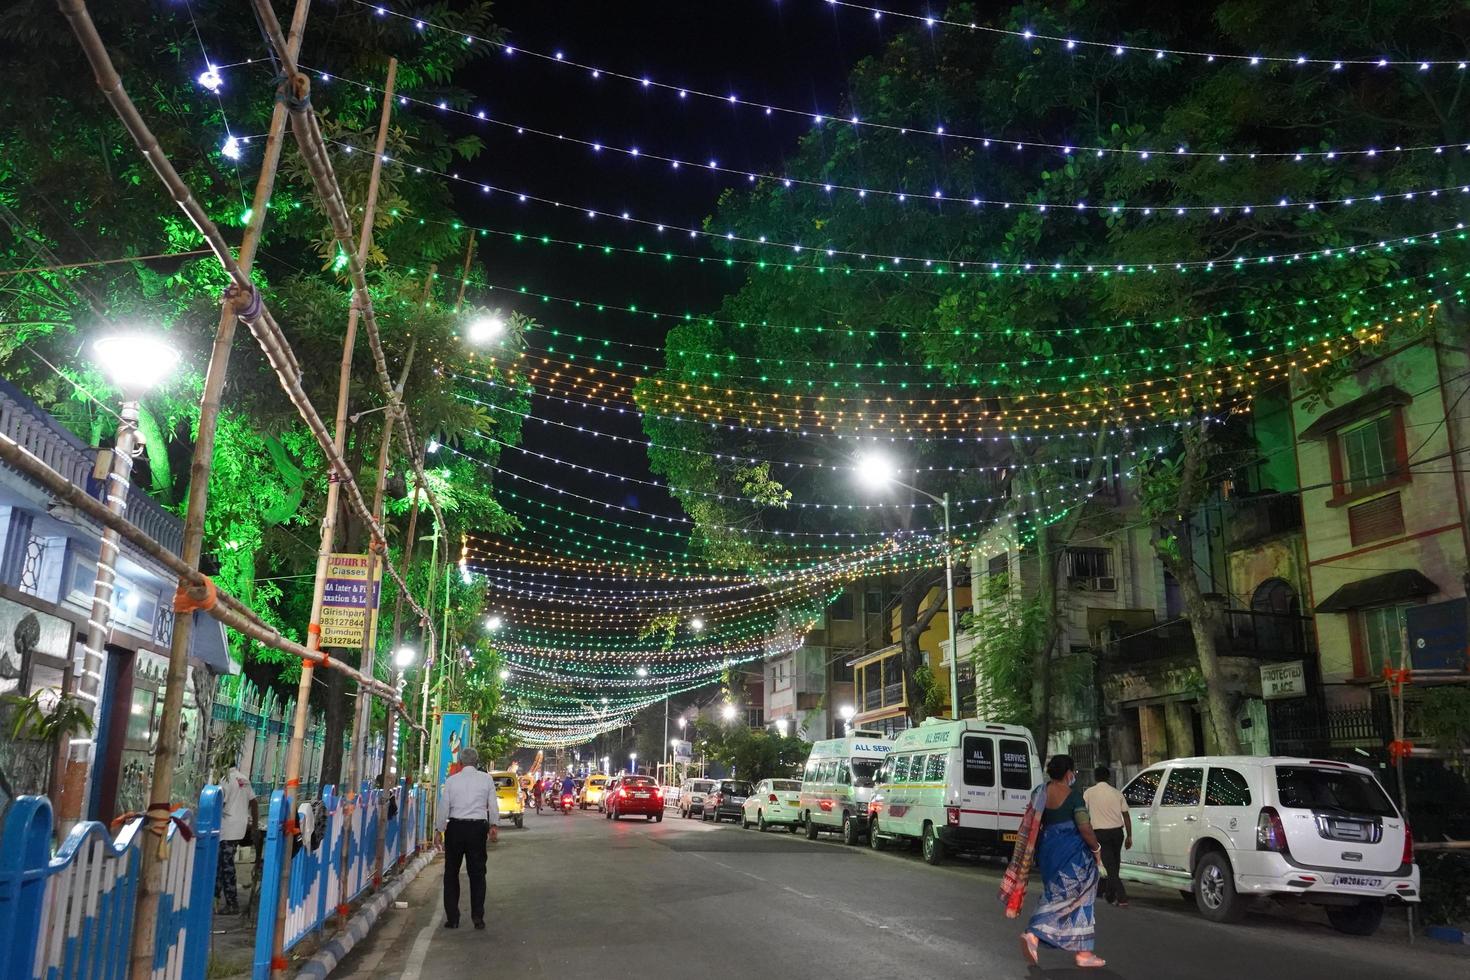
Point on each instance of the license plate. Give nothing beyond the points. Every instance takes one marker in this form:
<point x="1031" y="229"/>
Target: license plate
<point x="1357" y="881"/>
<point x="737" y="799"/>
<point x="641" y="796"/>
<point x="1010" y="838"/>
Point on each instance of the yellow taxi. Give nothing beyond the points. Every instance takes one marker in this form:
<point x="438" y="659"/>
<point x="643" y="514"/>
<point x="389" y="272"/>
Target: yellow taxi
<point x="593" y="790"/>
<point x="508" y="797"/>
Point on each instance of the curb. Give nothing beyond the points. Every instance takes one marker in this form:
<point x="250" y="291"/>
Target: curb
<point x="325" y="960"/>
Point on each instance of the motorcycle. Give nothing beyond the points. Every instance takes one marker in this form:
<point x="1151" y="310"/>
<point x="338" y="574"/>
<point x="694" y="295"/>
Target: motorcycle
<point x="566" y="803"/>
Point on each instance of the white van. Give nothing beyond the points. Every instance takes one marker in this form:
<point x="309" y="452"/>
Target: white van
<point x="1231" y="827"/>
<point x="840" y="776"/>
<point x="955" y="786"/>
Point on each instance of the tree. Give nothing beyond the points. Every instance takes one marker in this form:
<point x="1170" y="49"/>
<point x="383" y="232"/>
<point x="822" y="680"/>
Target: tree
<point x="754" y="754"/>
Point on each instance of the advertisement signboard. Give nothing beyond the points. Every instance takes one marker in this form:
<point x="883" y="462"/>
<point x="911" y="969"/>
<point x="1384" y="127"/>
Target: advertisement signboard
<point x="683" y="750"/>
<point x="346" y="598"/>
<point x="1439" y="636"/>
<point x="455" y="728"/>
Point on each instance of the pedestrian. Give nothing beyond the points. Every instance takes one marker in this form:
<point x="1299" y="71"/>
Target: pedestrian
<point x="468" y="815"/>
<point x="1057" y="834"/>
<point x="239" y="817"/>
<point x="1113" y="827"/>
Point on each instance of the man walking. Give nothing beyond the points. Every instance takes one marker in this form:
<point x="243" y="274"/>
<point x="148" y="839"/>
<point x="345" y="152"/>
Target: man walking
<point x="239" y="816"/>
<point x="468" y="814"/>
<point x="1114" y="829"/>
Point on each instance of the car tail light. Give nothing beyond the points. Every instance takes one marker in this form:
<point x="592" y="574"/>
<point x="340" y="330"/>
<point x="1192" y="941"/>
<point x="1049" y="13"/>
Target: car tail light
<point x="622" y="794"/>
<point x="1270" y="834"/>
<point x="1408" y="844"/>
<point x="873" y="808"/>
<point x="826" y="806"/>
<point x="658" y="793"/>
<point x="952" y="815"/>
<point x="773" y="798"/>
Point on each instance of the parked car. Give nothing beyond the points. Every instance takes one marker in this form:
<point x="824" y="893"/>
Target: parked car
<point x="508" y="797"/>
<point x="593" y="790"/>
<point x="838" y="784"/>
<point x="636" y="796"/>
<point x="725" y="800"/>
<point x="955" y="786"/>
<point x="774" y="803"/>
<point x="1228" y="828"/>
<point x="607" y="792"/>
<point x="691" y="801"/>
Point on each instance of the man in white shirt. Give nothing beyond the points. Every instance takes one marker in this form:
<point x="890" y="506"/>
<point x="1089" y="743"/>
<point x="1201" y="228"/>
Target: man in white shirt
<point x="239" y="814"/>
<point x="1108" y="809"/>
<point x="468" y="814"/>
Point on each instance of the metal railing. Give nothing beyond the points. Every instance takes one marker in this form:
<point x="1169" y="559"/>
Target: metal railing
<point x="1243" y="633"/>
<point x="71" y="914"/>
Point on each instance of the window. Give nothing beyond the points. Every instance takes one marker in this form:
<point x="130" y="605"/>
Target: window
<point x="780" y="674"/>
<point x="841" y="608"/>
<point x="1015" y="764"/>
<point x="812" y="765"/>
<point x="934" y="769"/>
<point x="1312" y="787"/>
<point x="1369" y="453"/>
<point x="901" y="768"/>
<point x="865" y="771"/>
<point x="841" y="669"/>
<point x="873" y="603"/>
<point x="844" y="775"/>
<point x="785" y="785"/>
<point x="1383" y="638"/>
<point x="998" y="565"/>
<point x="1144" y="787"/>
<point x="828" y="773"/>
<point x="1226" y="787"/>
<point x="979" y="761"/>
<point x="1183" y="786"/>
<point x="1089" y="562"/>
<point x="892" y="681"/>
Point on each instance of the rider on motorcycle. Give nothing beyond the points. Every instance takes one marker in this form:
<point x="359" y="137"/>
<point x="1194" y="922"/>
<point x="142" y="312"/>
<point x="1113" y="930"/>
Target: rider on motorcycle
<point x="538" y="789"/>
<point x="569" y="786"/>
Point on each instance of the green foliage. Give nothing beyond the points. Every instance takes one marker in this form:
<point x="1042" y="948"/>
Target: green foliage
<point x="31" y="718"/>
<point x="1446" y="880"/>
<point x="931" y="692"/>
<point x="1443" y="714"/>
<point x="754" y="754"/>
<point x="1009" y="632"/>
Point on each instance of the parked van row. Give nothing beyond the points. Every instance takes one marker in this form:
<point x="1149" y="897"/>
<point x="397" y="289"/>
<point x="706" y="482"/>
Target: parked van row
<point x="1220" y="829"/>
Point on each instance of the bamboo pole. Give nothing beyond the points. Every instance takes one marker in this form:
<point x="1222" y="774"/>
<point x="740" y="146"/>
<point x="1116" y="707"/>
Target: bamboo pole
<point x="329" y="530"/>
<point x="464" y="273"/>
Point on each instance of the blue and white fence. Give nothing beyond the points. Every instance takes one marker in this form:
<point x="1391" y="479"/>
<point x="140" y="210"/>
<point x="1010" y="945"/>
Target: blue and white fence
<point x="315" y="891"/>
<point x="71" y="914"/>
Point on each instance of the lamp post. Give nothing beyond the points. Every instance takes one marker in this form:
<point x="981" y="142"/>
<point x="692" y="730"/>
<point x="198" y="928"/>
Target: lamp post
<point x="875" y="470"/>
<point x="847" y="711"/>
<point x="403" y="659"/>
<point x="135" y="363"/>
<point x="633" y="762"/>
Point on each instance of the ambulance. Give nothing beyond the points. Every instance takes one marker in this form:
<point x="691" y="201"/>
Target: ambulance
<point x="840" y="777"/>
<point x="955" y="786"/>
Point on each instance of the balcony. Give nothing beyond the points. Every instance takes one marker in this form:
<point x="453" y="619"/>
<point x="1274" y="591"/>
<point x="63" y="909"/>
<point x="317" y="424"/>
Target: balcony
<point x="36" y="431"/>
<point x="1249" y="520"/>
<point x="1243" y="633"/>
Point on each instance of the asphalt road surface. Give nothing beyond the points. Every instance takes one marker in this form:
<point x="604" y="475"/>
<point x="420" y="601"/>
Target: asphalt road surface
<point x="577" y="896"/>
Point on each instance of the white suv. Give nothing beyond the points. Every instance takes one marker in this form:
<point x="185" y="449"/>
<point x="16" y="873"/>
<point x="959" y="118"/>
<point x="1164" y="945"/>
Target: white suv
<point x="1231" y="827"/>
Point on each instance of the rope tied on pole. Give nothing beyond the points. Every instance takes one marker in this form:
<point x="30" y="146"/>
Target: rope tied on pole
<point x="248" y="303"/>
<point x="193" y="598"/>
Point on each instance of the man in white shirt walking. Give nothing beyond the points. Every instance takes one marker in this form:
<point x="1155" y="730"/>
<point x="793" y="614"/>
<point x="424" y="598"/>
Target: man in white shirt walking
<point x="468" y="815"/>
<point x="1114" y="829"/>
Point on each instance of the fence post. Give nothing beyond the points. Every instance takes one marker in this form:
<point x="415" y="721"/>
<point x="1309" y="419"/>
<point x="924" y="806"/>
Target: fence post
<point x="27" y="838"/>
<point x="277" y="848"/>
<point x="200" y="920"/>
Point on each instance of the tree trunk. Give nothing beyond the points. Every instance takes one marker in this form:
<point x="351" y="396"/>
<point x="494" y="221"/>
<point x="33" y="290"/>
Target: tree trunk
<point x="1204" y="624"/>
<point x="912" y="622"/>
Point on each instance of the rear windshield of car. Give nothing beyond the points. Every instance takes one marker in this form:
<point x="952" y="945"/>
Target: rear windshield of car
<point x="505" y="782"/>
<point x="786" y="785"/>
<point x="735" y="788"/>
<point x="865" y="771"/>
<point x="638" y="781"/>
<point x="1339" y="790"/>
<point x="597" y="781"/>
<point x="701" y="786"/>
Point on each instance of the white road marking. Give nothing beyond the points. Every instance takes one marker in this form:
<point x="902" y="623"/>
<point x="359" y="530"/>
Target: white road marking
<point x="420" y="950"/>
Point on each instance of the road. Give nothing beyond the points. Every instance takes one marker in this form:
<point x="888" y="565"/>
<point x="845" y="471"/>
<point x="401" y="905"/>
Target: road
<point x="577" y="896"/>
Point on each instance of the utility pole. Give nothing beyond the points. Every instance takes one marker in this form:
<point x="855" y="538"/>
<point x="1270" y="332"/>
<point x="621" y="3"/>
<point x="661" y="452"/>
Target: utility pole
<point x="165" y="755"/>
<point x="329" y="528"/>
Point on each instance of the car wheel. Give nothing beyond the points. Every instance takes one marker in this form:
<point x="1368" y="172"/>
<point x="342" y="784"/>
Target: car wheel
<point x="659" y="818"/>
<point x="932" y="846"/>
<point x="760" y="822"/>
<point x="520" y="821"/>
<point x="1214" y="889"/>
<point x="1362" y="919"/>
<point x="876" y="842"/>
<point x="811" y="827"/>
<point x="850" y="834"/>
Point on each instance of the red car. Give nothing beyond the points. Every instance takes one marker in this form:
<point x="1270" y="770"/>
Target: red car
<point x="636" y="796"/>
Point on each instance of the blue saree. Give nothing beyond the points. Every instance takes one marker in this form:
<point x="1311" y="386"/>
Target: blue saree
<point x="1063" y="918"/>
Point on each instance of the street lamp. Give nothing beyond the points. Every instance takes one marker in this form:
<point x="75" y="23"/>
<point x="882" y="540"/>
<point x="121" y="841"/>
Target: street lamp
<point x="504" y="674"/>
<point x="728" y="712"/>
<point x="494" y="623"/>
<point x="485" y="329"/>
<point x="633" y="762"/>
<point x="847" y="711"/>
<point x="876" y="471"/>
<point x="782" y="727"/>
<point x="682" y="723"/>
<point x="697" y="624"/>
<point x="134" y="362"/>
<point x="404" y="657"/>
<point x="642" y="671"/>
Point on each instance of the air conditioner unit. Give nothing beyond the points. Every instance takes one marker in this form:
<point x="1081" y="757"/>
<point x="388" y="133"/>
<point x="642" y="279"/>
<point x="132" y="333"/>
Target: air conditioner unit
<point x="1105" y="584"/>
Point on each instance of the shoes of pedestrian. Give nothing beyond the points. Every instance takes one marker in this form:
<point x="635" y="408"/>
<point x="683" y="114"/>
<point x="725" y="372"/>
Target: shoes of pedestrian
<point x="450" y="925"/>
<point x="479" y="923"/>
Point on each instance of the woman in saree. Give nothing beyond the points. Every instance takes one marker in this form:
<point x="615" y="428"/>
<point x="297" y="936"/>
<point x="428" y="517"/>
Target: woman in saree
<point x="1056" y="835"/>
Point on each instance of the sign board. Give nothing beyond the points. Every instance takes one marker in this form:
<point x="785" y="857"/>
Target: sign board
<point x="455" y="731"/>
<point x="1439" y="636"/>
<point x="683" y="750"/>
<point x="1288" y="680"/>
<point x="345" y="600"/>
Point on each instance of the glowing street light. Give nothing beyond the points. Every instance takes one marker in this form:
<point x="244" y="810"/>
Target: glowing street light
<point x="782" y="727"/>
<point x="847" y="711"/>
<point x="697" y="624"/>
<point x="494" y="623"/>
<point x="485" y="329"/>
<point x="683" y="722"/>
<point x="728" y="712"/>
<point x="642" y="671"/>
<point x="504" y="675"/>
<point x="134" y="362"/>
<point x="404" y="657"/>
<point x="875" y="470"/>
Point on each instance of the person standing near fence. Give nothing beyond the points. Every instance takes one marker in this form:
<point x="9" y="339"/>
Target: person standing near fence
<point x="1114" y="829"/>
<point x="239" y="816"/>
<point x="468" y="815"/>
